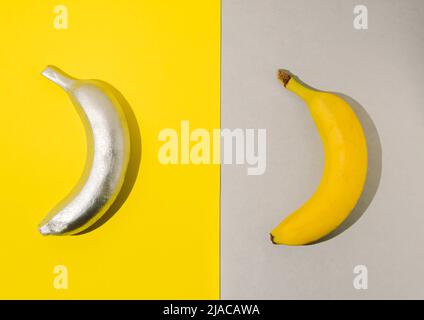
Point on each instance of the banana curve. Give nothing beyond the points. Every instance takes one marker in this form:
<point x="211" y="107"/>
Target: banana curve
<point x="344" y="173"/>
<point x="108" y="148"/>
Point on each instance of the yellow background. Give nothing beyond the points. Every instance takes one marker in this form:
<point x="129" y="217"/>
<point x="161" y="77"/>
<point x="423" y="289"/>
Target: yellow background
<point x="163" y="56"/>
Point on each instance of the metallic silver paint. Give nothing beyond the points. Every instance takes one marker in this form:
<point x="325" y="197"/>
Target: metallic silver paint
<point x="108" y="155"/>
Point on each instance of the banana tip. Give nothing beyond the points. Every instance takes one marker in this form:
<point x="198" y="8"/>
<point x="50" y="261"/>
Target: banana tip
<point x="272" y="238"/>
<point x="45" y="230"/>
<point x="284" y="76"/>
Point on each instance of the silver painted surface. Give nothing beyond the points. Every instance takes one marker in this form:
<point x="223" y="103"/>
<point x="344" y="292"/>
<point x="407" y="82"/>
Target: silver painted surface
<point x="107" y="155"/>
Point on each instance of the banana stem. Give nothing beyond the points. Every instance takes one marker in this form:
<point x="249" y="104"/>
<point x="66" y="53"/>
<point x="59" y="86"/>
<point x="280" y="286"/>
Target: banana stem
<point x="284" y="77"/>
<point x="59" y="77"/>
<point x="292" y="84"/>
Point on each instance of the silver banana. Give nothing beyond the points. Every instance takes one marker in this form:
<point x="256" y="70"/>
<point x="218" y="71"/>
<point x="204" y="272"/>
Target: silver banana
<point x="108" y="143"/>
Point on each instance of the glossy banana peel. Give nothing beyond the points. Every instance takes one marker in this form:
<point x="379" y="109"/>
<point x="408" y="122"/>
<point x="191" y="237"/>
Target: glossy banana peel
<point x="345" y="168"/>
<point x="108" y="144"/>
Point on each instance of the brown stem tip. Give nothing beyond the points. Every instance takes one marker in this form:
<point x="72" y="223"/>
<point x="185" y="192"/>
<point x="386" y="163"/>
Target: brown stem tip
<point x="272" y="238"/>
<point x="284" y="76"/>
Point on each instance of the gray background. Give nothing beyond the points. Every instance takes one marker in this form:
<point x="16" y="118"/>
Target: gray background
<point x="382" y="68"/>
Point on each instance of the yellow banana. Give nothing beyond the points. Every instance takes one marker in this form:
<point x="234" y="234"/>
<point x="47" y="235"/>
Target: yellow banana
<point x="345" y="168"/>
